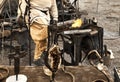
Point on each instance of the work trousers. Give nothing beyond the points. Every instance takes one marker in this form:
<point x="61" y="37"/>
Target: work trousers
<point x="39" y="34"/>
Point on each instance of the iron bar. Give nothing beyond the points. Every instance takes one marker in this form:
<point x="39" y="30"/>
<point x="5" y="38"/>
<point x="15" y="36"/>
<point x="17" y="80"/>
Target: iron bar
<point x="10" y="45"/>
<point x="2" y="30"/>
<point x="16" y="66"/>
<point x="119" y="28"/>
<point x="29" y="32"/>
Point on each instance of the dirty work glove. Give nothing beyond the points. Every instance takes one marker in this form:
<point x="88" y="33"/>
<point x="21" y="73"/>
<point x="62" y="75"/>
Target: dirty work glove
<point x="55" y="25"/>
<point x="20" y="21"/>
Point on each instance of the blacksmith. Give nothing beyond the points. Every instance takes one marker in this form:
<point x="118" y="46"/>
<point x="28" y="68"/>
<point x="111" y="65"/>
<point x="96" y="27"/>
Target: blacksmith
<point x="42" y="11"/>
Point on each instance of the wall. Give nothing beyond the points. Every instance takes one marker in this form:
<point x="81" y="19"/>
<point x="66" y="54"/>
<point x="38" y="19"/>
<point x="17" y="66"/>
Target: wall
<point x="106" y="11"/>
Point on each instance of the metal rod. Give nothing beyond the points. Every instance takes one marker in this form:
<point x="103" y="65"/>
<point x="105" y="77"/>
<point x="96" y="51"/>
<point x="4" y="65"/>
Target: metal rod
<point x="119" y="28"/>
<point x="16" y="66"/>
<point x="10" y="44"/>
<point x="105" y="48"/>
<point x="29" y="32"/>
<point x="2" y="25"/>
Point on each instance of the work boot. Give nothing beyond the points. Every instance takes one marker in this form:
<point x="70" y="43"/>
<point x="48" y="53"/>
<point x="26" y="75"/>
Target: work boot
<point x="40" y="61"/>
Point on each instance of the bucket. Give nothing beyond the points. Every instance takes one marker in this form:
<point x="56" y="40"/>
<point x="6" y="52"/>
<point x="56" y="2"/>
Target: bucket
<point x="21" y="78"/>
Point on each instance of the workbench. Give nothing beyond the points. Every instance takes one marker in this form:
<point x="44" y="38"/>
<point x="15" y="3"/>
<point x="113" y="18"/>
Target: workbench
<point x="76" y="73"/>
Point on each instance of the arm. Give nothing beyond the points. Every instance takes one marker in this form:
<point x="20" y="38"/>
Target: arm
<point x="21" y="8"/>
<point x="20" y="13"/>
<point x="54" y="10"/>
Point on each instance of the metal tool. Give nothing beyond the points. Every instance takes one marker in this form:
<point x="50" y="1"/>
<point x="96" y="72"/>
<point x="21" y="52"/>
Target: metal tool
<point x="16" y="56"/>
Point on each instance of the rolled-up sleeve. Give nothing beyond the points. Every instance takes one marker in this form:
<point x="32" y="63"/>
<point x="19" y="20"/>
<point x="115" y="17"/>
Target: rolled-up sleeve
<point x="54" y="10"/>
<point x="21" y="7"/>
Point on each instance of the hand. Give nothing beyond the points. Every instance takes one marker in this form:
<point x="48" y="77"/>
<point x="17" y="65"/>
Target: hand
<point x="55" y="25"/>
<point x="55" y="22"/>
<point x="20" y="21"/>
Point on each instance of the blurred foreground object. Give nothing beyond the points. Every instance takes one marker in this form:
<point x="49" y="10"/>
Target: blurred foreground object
<point x="4" y="72"/>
